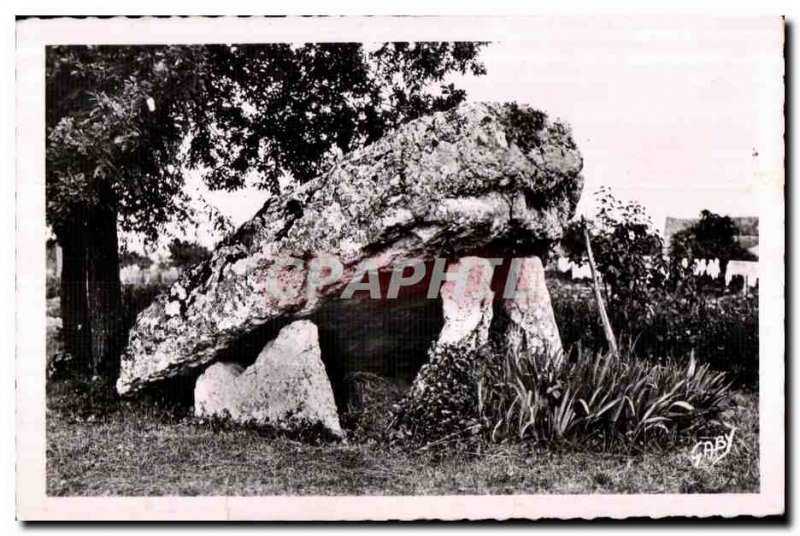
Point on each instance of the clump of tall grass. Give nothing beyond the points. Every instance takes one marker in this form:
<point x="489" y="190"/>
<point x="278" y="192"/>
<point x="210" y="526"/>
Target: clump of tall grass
<point x="590" y="397"/>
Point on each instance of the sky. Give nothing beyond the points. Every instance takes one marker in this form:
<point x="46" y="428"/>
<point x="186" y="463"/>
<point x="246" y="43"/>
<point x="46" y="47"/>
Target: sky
<point x="678" y="120"/>
<point x="679" y="116"/>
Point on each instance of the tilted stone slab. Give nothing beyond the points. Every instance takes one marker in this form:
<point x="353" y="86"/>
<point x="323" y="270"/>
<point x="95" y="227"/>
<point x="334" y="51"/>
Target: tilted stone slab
<point x="482" y="176"/>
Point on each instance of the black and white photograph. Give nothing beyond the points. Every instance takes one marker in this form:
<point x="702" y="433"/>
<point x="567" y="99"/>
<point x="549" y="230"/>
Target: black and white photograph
<point x="493" y="267"/>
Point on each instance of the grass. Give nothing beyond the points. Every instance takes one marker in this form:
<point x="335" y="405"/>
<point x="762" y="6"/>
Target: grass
<point x="134" y="449"/>
<point x="102" y="446"/>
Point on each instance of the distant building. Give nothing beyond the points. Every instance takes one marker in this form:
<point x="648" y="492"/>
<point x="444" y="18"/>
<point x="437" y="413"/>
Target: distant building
<point x="576" y="271"/>
<point x="747" y="270"/>
<point x="747" y="237"/>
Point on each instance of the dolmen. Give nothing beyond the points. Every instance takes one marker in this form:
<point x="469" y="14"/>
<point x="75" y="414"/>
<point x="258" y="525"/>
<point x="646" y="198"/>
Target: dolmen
<point x="462" y="203"/>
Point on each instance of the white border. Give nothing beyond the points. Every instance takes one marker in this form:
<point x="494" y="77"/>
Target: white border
<point x="32" y="503"/>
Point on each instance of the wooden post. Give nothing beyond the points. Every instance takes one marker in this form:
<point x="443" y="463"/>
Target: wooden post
<point x="612" y="341"/>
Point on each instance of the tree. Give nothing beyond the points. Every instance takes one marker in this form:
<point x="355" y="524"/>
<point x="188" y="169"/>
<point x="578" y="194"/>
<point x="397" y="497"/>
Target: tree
<point x="123" y="122"/>
<point x="129" y="258"/>
<point x="184" y="254"/>
<point x="628" y="253"/>
<point x="711" y="237"/>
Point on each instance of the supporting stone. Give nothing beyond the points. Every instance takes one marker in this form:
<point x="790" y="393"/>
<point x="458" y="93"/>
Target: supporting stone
<point x="286" y="387"/>
<point x="467" y="302"/>
<point x="467" y="310"/>
<point x="527" y="304"/>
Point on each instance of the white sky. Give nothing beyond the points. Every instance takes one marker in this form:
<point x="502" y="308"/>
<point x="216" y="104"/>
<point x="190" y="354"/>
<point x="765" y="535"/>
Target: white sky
<point x="671" y="119"/>
<point x="679" y="117"/>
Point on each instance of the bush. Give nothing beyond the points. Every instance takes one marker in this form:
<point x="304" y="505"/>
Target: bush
<point x="721" y="331"/>
<point x="597" y="398"/>
<point x="443" y="402"/>
<point x="184" y="254"/>
<point x="628" y="253"/>
<point x="577" y="319"/>
<point x="368" y="404"/>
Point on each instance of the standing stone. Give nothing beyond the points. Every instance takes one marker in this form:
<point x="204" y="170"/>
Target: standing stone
<point x="474" y="178"/>
<point x="467" y="310"/>
<point x="286" y="387"/>
<point x="529" y="309"/>
<point x="467" y="307"/>
<point x="216" y="390"/>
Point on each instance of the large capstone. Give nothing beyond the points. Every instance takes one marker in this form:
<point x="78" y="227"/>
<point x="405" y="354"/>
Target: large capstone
<point x="480" y="179"/>
<point x="286" y="388"/>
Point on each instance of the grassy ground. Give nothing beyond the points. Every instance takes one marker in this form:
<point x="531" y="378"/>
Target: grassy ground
<point x="136" y="449"/>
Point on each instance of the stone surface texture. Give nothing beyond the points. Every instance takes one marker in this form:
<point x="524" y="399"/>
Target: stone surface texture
<point x="480" y="177"/>
<point x="286" y="387"/>
<point x="530" y="311"/>
<point x="467" y="303"/>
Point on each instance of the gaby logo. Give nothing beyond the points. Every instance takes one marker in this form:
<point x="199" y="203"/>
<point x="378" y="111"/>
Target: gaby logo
<point x="708" y="452"/>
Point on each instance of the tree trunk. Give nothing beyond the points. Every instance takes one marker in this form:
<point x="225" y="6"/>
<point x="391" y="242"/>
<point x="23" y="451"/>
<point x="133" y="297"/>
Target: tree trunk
<point x="104" y="294"/>
<point x="612" y="341"/>
<point x="74" y="307"/>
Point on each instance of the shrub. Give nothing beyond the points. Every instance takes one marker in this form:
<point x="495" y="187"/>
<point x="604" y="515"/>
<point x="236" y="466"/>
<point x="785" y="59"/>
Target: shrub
<point x="721" y="331"/>
<point x="368" y="404"/>
<point x="628" y="253"/>
<point x="577" y="319"/>
<point x="184" y="254"/>
<point x="602" y="398"/>
<point x="443" y="402"/>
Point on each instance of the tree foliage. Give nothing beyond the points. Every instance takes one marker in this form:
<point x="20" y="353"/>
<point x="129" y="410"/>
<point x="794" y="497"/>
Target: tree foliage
<point x="123" y="122"/>
<point x="130" y="258"/>
<point x="711" y="237"/>
<point x="629" y="254"/>
<point x="114" y="131"/>
<point x="184" y="254"/>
